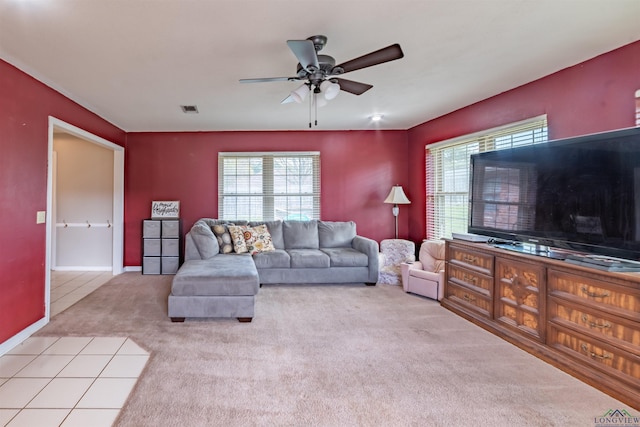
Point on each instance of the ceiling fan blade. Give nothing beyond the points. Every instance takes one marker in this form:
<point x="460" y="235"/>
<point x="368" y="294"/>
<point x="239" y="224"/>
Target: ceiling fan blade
<point x="386" y="54"/>
<point x="287" y="100"/>
<point x="269" y="79"/>
<point x="355" y="88"/>
<point x="306" y="54"/>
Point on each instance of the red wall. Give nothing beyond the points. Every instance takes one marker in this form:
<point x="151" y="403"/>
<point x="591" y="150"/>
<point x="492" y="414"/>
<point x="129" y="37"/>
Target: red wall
<point x="594" y="96"/>
<point x="357" y="171"/>
<point x="25" y="105"/>
<point x="358" y="167"/>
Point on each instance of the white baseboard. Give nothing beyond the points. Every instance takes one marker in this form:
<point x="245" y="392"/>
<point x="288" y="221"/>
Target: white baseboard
<point x="133" y="268"/>
<point x="82" y="268"/>
<point x="12" y="342"/>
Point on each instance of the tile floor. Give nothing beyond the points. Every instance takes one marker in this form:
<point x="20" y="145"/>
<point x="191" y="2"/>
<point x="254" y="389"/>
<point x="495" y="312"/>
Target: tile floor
<point x="68" y="287"/>
<point x="68" y="381"/>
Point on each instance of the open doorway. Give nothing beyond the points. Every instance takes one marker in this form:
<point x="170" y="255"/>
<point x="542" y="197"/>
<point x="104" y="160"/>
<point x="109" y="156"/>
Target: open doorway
<point x="100" y="223"/>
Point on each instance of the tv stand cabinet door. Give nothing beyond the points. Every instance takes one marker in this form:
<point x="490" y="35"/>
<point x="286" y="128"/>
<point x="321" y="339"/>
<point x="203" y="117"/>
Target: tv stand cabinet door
<point x="519" y="297"/>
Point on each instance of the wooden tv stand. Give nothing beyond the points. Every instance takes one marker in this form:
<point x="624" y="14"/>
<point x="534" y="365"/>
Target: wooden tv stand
<point x="581" y="320"/>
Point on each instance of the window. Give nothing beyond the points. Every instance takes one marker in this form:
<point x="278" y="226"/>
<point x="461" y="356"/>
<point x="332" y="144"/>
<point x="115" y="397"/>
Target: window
<point x="447" y="172"/>
<point x="268" y="186"/>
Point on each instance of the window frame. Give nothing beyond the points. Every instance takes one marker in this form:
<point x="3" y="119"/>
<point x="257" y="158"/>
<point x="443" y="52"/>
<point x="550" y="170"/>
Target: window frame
<point x="262" y="186"/>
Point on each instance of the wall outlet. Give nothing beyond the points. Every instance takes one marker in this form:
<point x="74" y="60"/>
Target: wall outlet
<point x="41" y="217"/>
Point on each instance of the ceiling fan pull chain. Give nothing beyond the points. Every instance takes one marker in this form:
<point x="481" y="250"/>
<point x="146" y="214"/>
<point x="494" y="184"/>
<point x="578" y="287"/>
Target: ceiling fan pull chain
<point x="310" y="102"/>
<point x="316" y="107"/>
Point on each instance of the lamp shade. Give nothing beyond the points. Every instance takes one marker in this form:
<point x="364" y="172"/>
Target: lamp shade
<point x="397" y="196"/>
<point x="329" y="89"/>
<point x="300" y="93"/>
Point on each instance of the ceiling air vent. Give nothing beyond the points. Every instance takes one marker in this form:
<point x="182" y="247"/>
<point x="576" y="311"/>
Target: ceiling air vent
<point x="189" y="109"/>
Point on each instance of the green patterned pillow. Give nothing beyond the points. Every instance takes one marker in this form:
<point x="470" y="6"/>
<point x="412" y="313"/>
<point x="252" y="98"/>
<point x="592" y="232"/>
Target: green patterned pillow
<point x="258" y="239"/>
<point x="224" y="238"/>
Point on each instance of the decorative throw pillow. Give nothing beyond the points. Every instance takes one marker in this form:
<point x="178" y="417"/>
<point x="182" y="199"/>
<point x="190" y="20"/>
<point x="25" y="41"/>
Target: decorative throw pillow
<point x="258" y="239"/>
<point x="237" y="237"/>
<point x="224" y="238"/>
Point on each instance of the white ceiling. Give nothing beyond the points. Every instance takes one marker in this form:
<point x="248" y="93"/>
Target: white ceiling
<point x="134" y="62"/>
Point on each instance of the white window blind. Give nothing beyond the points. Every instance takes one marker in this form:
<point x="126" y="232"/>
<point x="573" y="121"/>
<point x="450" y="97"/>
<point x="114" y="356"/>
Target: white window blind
<point x="268" y="186"/>
<point x="448" y="167"/>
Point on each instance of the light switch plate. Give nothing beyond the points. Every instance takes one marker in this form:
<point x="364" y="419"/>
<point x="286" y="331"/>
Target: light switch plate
<point x="41" y="217"/>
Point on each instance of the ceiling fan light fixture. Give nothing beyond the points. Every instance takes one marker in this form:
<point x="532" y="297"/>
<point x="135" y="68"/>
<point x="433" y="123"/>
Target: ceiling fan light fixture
<point x="300" y="93"/>
<point x="329" y="89"/>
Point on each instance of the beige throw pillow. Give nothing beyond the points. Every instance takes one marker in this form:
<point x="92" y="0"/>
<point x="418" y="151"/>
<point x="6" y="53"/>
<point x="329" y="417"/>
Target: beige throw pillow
<point x="258" y="239"/>
<point x="237" y="237"/>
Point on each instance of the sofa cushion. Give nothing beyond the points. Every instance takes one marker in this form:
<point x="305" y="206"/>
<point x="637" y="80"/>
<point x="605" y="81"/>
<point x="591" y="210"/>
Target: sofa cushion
<point x="258" y="239"/>
<point x="346" y="257"/>
<point x="224" y="237"/>
<point x="275" y="229"/>
<point x="237" y="237"/>
<point x="308" y="258"/>
<point x="301" y="234"/>
<point x="336" y="234"/>
<point x="277" y="258"/>
<point x="224" y="274"/>
<point x="205" y="241"/>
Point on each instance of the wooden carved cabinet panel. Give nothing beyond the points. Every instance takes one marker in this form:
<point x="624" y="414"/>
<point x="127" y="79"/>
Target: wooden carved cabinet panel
<point x="469" y="276"/>
<point x="519" y="296"/>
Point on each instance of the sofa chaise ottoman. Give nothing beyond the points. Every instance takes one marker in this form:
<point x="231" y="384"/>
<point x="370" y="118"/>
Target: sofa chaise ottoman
<point x="195" y="292"/>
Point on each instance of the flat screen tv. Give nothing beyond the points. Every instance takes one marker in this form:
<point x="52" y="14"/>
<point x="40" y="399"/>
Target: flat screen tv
<point x="580" y="194"/>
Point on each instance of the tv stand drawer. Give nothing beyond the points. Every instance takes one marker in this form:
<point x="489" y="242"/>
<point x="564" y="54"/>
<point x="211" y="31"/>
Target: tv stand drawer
<point x="469" y="300"/>
<point x="596" y="324"/>
<point x="471" y="279"/>
<point x="597" y="354"/>
<point x="464" y="257"/>
<point x="595" y="293"/>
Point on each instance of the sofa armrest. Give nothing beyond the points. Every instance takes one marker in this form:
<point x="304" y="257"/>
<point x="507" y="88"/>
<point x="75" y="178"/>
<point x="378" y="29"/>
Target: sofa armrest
<point x="190" y="249"/>
<point x="371" y="249"/>
<point x="417" y="265"/>
<point x="441" y="286"/>
<point x="404" y="272"/>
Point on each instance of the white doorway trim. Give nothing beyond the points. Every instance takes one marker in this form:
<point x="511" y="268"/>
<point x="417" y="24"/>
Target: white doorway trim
<point x="118" y="199"/>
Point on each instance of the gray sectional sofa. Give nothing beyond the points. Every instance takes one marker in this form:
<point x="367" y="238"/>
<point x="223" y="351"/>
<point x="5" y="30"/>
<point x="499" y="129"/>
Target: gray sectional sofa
<point x="215" y="284"/>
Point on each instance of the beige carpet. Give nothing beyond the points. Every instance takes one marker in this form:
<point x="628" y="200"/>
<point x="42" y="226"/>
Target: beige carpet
<point x="328" y="355"/>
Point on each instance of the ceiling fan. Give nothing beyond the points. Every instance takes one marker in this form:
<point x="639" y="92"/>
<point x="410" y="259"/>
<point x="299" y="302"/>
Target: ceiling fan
<point x="319" y="72"/>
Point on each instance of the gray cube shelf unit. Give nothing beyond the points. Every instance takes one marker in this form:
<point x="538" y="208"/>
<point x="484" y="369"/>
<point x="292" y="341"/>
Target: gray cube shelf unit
<point x="161" y="246"/>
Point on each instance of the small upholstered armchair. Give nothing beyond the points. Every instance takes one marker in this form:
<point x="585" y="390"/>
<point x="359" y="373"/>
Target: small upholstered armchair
<point x="426" y="276"/>
<point x="394" y="252"/>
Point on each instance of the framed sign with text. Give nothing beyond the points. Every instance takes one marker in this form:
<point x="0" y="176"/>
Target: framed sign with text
<point x="165" y="209"/>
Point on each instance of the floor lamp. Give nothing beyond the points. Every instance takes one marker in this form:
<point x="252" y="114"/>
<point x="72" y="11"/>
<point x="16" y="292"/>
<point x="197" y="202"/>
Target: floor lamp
<point x="396" y="197"/>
